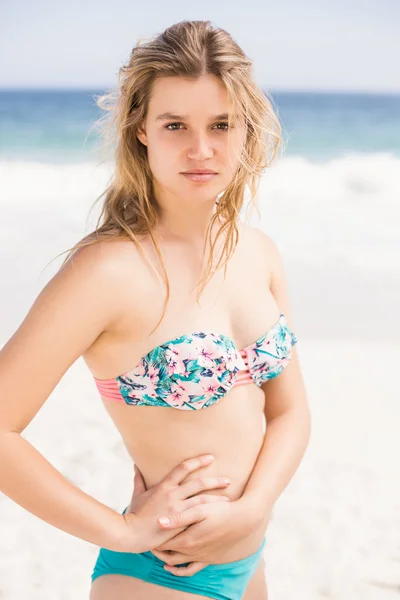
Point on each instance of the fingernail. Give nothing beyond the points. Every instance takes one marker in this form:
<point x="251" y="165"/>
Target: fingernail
<point x="208" y="457"/>
<point x="164" y="520"/>
<point x="224" y="480"/>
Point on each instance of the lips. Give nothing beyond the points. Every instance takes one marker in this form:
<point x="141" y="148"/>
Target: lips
<point x="200" y="177"/>
<point x="199" y="172"/>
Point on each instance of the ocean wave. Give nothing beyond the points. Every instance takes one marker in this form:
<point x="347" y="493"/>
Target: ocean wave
<point x="345" y="210"/>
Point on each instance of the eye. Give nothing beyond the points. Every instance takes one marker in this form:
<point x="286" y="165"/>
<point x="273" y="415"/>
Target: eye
<point x="170" y="124"/>
<point x="226" y="126"/>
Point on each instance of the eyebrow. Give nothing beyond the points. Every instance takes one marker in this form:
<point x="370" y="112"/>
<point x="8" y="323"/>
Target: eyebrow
<point x="167" y="115"/>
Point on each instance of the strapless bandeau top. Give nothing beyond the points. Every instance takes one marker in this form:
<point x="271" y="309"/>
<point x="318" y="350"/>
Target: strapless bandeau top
<point x="195" y="370"/>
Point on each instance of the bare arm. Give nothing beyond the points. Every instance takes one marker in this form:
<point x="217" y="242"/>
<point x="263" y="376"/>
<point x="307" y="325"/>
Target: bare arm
<point x="286" y="411"/>
<point x="72" y="310"/>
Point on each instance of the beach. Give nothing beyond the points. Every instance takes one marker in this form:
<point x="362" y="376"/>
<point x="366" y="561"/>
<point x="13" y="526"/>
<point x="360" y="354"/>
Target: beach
<point x="334" y="530"/>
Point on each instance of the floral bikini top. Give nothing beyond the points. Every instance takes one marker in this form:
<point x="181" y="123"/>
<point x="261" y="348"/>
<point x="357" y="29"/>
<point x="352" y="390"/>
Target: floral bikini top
<point x="194" y="371"/>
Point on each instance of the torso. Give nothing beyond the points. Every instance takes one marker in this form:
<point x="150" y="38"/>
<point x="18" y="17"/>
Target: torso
<point x="158" y="438"/>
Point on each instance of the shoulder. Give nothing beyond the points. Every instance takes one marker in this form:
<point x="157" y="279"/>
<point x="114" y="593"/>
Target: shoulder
<point x="263" y="248"/>
<point x="276" y="271"/>
<point x="100" y="255"/>
<point x="99" y="274"/>
<point x="104" y="260"/>
<point x="126" y="273"/>
<point x="258" y="236"/>
<point x="88" y="276"/>
<point x="76" y="306"/>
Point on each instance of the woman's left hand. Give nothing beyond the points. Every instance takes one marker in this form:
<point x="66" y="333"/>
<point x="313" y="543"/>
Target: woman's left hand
<point x="224" y="524"/>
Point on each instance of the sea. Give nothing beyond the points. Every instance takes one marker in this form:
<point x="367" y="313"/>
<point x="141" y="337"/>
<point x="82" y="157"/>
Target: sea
<point x="52" y="126"/>
<point x="331" y="200"/>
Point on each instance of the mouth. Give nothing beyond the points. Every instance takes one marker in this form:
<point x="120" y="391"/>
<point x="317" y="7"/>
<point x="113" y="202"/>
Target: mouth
<point x="200" y="175"/>
<point x="199" y="171"/>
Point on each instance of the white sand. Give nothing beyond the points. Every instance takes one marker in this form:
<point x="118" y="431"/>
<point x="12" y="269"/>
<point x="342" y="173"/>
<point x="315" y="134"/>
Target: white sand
<point x="336" y="528"/>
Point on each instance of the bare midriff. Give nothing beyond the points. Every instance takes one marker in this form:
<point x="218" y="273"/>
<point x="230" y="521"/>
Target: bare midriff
<point x="158" y="438"/>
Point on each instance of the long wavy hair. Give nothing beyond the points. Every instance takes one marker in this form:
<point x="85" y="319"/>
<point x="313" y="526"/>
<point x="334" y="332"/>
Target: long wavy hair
<point x="189" y="49"/>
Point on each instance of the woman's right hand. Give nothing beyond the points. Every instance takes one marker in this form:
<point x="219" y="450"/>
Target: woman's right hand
<point x="172" y="495"/>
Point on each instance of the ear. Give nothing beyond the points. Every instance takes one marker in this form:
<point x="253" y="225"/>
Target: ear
<point x="141" y="135"/>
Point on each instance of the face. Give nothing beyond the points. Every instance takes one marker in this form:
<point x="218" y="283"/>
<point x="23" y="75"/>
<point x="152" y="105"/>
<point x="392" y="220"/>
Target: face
<point x="193" y="135"/>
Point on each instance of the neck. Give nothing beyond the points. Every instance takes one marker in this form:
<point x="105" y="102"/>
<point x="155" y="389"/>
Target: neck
<point x="185" y="221"/>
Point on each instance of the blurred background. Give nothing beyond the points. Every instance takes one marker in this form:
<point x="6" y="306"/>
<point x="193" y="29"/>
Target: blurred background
<point x="331" y="203"/>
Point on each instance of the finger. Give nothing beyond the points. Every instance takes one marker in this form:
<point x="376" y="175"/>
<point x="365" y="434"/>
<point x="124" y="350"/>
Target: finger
<point x="183" y="518"/>
<point x="166" y="547"/>
<point x="171" y="558"/>
<point x="191" y="569"/>
<point x="204" y="499"/>
<point x="194" y="486"/>
<point x="178" y="473"/>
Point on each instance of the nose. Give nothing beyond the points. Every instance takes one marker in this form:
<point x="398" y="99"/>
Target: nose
<point x="200" y="147"/>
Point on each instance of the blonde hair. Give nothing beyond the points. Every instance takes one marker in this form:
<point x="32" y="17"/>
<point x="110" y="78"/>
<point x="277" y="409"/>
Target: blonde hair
<point x="188" y="49"/>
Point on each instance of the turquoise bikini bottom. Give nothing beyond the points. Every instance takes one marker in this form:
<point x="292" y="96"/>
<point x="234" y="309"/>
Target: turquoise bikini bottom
<point x="223" y="581"/>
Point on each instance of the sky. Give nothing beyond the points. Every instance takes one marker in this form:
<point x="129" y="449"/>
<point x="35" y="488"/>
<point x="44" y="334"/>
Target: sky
<point x="346" y="45"/>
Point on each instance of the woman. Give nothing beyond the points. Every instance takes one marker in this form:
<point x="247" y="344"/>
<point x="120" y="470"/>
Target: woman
<point x="159" y="332"/>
